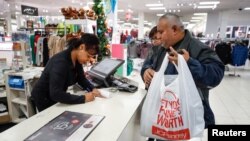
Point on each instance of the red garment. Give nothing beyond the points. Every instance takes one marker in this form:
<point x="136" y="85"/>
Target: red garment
<point x="35" y="46"/>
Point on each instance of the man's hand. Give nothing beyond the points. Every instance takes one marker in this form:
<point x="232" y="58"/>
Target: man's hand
<point x="147" y="76"/>
<point x="173" y="57"/>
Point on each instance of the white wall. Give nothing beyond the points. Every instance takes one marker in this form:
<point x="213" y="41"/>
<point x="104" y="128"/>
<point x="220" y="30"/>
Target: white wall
<point x="212" y="24"/>
<point x="199" y="27"/>
<point x="226" y="18"/>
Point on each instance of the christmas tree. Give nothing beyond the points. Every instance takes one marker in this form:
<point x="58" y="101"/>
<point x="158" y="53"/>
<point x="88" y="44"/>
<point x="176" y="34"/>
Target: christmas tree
<point x="101" y="29"/>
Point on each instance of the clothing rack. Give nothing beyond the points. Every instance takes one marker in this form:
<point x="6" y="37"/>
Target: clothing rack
<point x="239" y="56"/>
<point x="234" y="51"/>
<point x="43" y="28"/>
<point x="66" y="30"/>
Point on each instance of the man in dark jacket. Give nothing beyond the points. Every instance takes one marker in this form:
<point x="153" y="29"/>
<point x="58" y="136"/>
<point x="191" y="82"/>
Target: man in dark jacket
<point x="206" y="67"/>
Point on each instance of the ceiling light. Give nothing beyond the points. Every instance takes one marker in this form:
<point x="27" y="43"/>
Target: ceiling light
<point x="185" y="22"/>
<point x="157" y="8"/>
<point x="81" y="4"/>
<point x="130" y="11"/>
<point x="174" y="11"/>
<point x="127" y="23"/>
<point x="247" y="8"/>
<point x="169" y="11"/>
<point x="214" y="6"/>
<point x="209" y="2"/>
<point x="154" y="5"/>
<point x="182" y="4"/>
<point x="159" y="15"/>
<point x="179" y="10"/>
<point x="197" y="18"/>
<point x="120" y="10"/>
<point x="190" y="26"/>
<point x="200" y="14"/>
<point x="205" y="7"/>
<point x="178" y="4"/>
<point x="91" y="3"/>
<point x="194" y="20"/>
<point x="190" y="4"/>
<point x="135" y="19"/>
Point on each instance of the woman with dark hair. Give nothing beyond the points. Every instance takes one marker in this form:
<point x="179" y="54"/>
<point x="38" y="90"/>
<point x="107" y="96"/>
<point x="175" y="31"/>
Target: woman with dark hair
<point x="65" y="69"/>
<point x="147" y="71"/>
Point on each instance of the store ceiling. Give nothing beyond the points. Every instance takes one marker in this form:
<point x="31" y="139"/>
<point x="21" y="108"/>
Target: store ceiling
<point x="181" y="7"/>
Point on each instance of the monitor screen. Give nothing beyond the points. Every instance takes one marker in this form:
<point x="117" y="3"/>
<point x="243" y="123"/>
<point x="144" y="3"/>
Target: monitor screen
<point x="106" y="67"/>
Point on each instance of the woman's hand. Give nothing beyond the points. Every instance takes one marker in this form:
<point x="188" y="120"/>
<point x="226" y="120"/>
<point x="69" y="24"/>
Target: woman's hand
<point x="89" y="97"/>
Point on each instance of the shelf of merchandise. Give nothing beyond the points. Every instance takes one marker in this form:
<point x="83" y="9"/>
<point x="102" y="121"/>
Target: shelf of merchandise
<point x="3" y="94"/>
<point x="17" y="89"/>
<point x="4" y="114"/>
<point x="19" y="104"/>
<point x="21" y="101"/>
<point x="86" y="24"/>
<point x="81" y="21"/>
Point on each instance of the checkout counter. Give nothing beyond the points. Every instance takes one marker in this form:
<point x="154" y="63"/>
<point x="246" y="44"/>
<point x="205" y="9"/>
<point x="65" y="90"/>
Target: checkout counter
<point x="121" y="110"/>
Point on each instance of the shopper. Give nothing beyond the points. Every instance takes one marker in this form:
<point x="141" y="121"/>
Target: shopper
<point x="147" y="71"/>
<point x="204" y="64"/>
<point x="65" y="69"/>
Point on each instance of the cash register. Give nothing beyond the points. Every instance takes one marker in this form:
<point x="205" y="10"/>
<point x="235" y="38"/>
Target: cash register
<point x="102" y="75"/>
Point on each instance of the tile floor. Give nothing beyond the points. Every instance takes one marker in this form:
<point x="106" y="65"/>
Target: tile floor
<point x="230" y="100"/>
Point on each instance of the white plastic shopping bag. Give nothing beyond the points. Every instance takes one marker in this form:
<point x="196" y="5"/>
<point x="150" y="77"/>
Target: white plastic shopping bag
<point x="175" y="111"/>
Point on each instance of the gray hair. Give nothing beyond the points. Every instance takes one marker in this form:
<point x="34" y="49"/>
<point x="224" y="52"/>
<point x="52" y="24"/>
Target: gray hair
<point x="173" y="19"/>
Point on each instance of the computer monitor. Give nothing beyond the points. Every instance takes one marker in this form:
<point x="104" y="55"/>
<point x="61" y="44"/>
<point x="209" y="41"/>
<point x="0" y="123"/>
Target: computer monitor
<point x="104" y="69"/>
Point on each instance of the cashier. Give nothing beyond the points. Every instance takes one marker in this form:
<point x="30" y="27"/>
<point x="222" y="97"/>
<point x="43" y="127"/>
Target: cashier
<point x="65" y="69"/>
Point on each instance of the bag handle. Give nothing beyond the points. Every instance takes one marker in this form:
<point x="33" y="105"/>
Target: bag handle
<point x="183" y="68"/>
<point x="164" y="64"/>
<point x="181" y="61"/>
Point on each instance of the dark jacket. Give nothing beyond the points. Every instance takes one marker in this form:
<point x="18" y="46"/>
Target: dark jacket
<point x="149" y="61"/>
<point x="57" y="76"/>
<point x="205" y="66"/>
